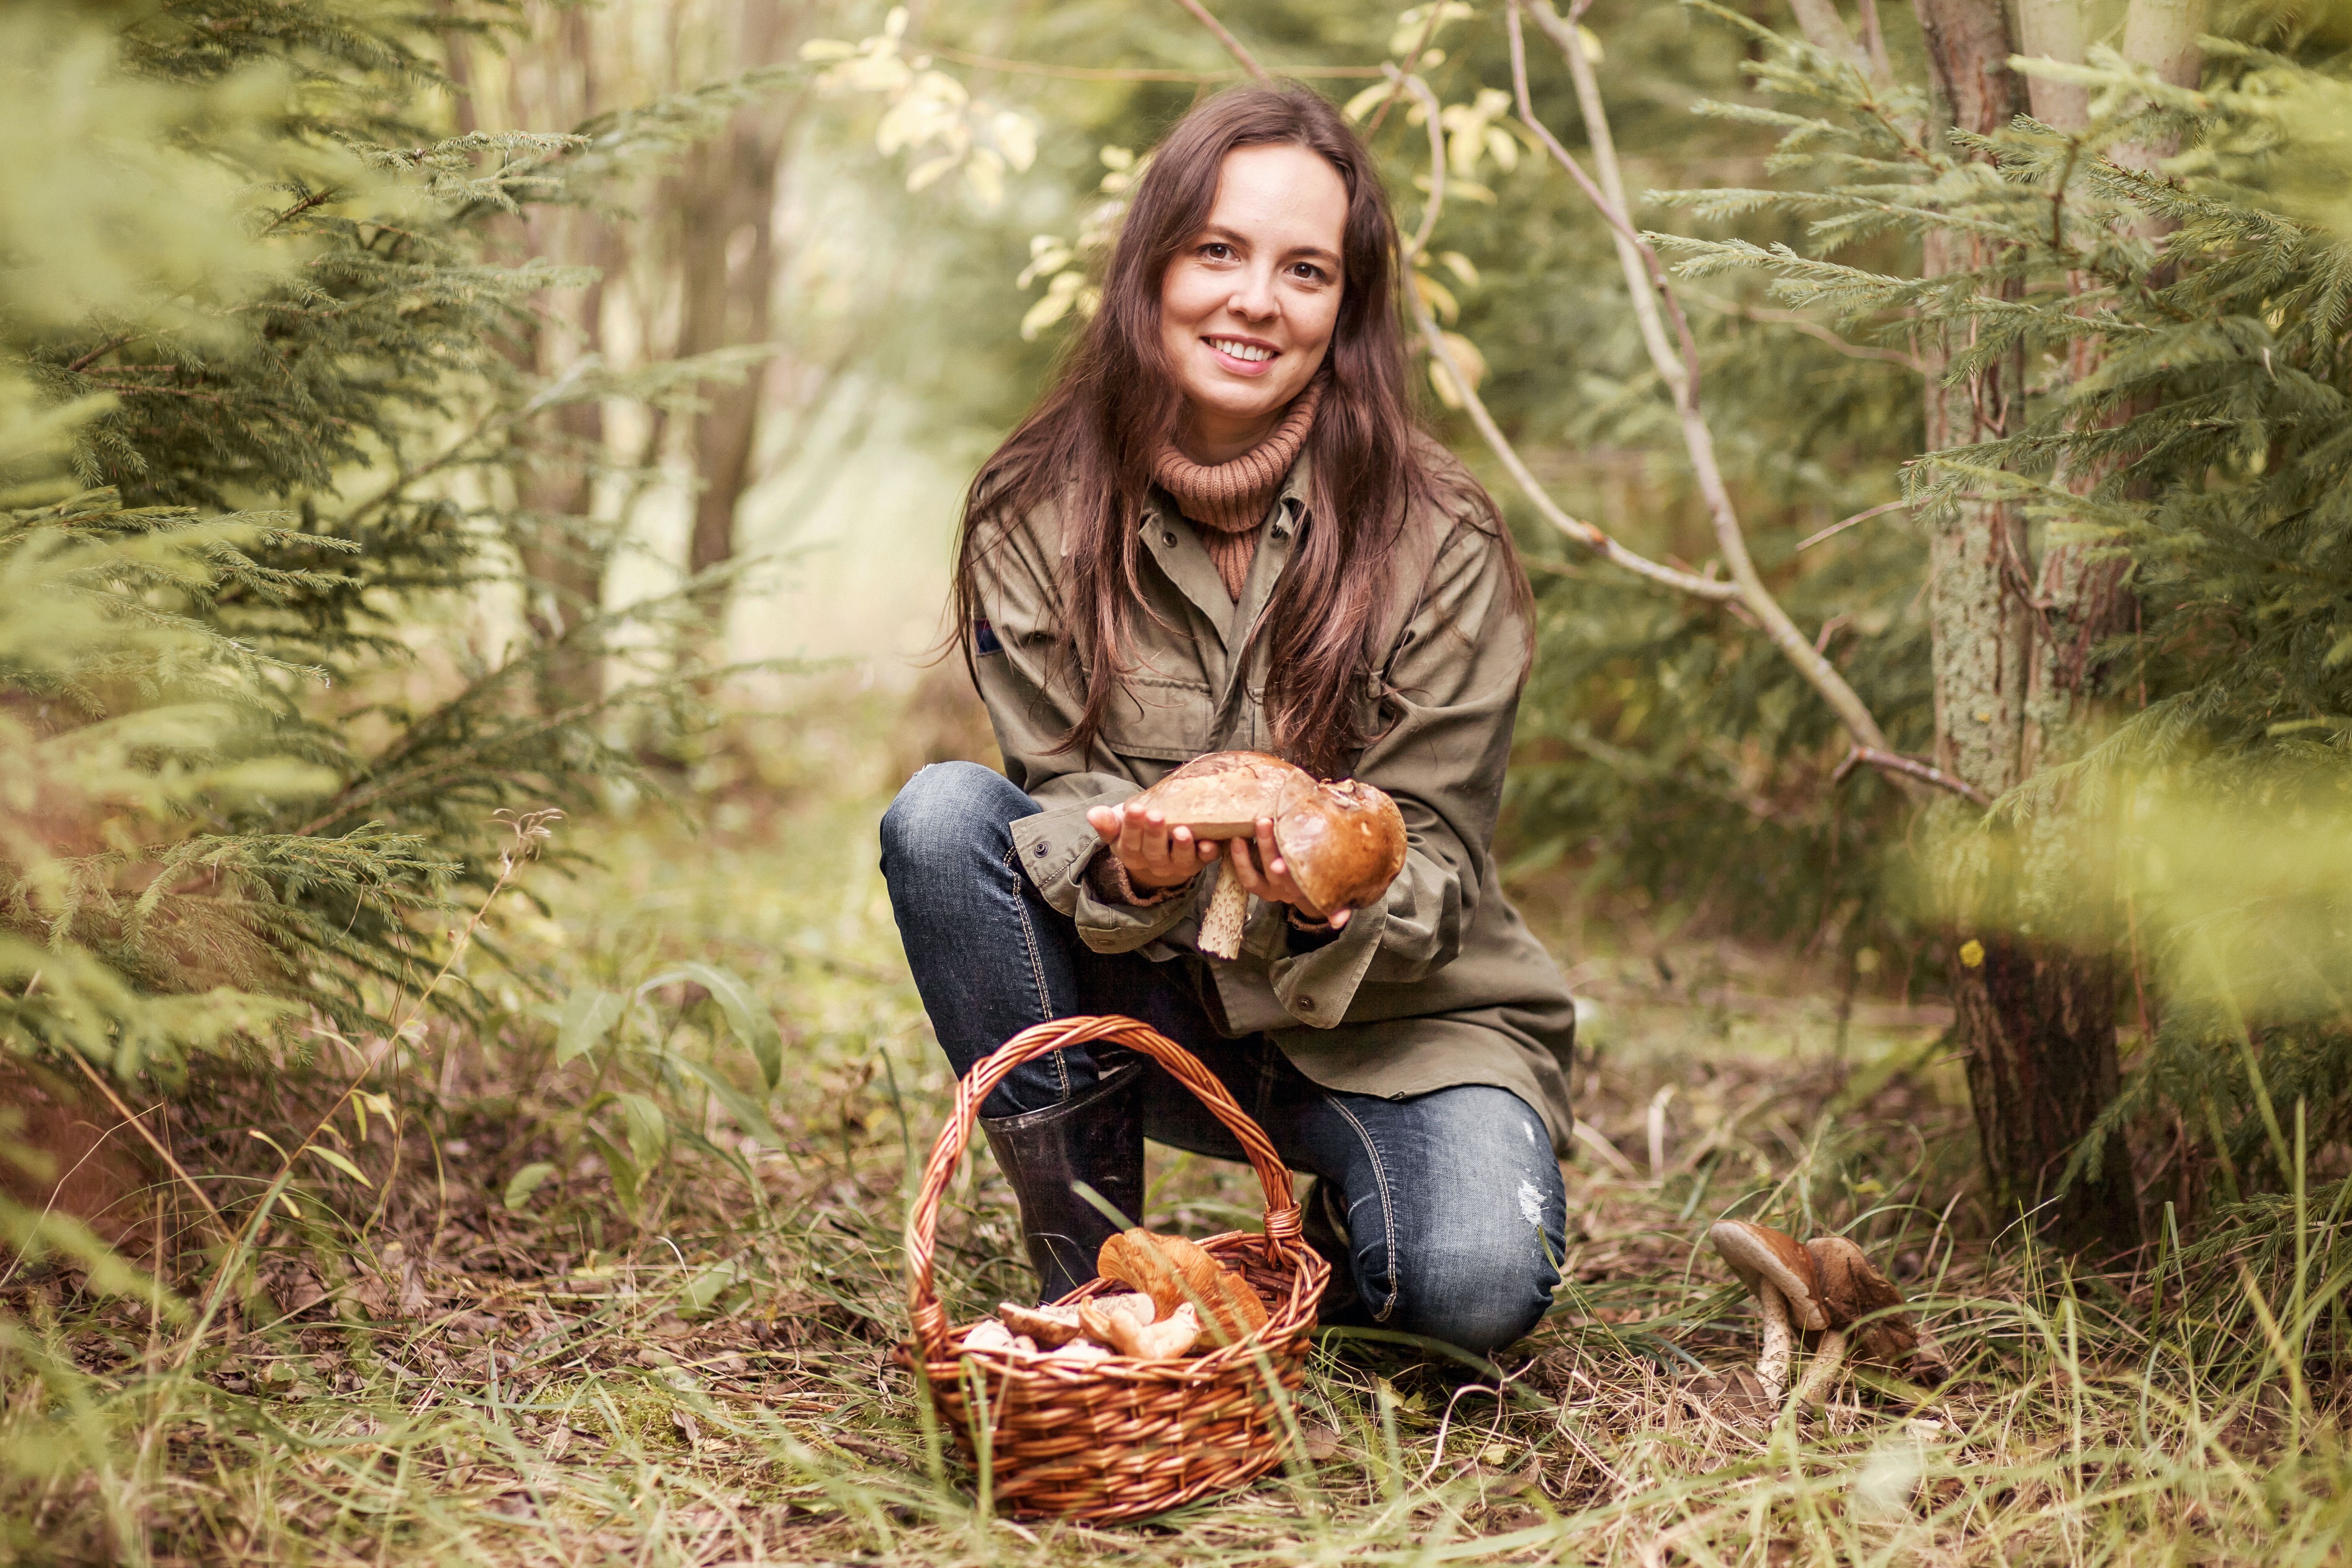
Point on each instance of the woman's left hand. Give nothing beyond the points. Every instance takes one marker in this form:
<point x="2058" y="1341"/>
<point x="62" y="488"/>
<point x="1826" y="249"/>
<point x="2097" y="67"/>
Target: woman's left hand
<point x="1259" y="868"/>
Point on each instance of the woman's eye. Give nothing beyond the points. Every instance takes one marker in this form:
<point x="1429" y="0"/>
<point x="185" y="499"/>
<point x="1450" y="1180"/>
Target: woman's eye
<point x="1217" y="250"/>
<point x="1308" y="272"/>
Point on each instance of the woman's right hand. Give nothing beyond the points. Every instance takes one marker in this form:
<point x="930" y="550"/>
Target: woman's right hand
<point x="1154" y="855"/>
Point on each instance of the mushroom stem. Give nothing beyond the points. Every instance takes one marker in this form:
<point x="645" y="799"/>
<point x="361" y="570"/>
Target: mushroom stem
<point x="1221" y="928"/>
<point x="1772" y="1365"/>
<point x="1829" y="1358"/>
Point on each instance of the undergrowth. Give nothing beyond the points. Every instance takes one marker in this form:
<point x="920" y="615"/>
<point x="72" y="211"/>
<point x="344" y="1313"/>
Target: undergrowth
<point x="582" y="1287"/>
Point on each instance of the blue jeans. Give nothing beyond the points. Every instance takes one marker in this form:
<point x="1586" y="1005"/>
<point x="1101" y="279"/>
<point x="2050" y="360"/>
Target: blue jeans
<point x="1450" y="1201"/>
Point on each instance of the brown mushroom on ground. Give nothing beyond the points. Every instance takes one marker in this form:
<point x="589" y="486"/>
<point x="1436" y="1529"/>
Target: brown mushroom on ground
<point x="1780" y="1274"/>
<point x="1343" y="843"/>
<point x="1851" y="1289"/>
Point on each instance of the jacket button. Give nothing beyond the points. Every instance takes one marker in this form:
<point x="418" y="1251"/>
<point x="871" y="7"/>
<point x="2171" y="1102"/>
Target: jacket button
<point x="1040" y="852"/>
<point x="1306" y="1004"/>
<point x="1167" y="539"/>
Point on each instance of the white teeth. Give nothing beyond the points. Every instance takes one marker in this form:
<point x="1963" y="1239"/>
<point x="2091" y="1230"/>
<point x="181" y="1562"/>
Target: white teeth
<point x="1250" y="351"/>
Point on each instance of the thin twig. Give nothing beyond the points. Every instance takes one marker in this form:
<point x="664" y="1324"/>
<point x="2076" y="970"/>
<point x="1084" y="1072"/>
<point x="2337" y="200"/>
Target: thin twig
<point x="1896" y="762"/>
<point x="1412" y="64"/>
<point x="1846" y="522"/>
<point x="1810" y="327"/>
<point x="1135" y="73"/>
<point x="138" y="1124"/>
<point x="1428" y="95"/>
<point x="99" y="352"/>
<point x="1233" y="45"/>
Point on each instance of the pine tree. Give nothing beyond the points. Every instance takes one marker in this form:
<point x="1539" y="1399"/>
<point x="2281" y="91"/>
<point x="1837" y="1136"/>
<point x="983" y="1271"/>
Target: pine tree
<point x="261" y="412"/>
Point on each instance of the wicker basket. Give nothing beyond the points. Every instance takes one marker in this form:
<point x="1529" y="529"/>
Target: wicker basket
<point x="1119" y="1439"/>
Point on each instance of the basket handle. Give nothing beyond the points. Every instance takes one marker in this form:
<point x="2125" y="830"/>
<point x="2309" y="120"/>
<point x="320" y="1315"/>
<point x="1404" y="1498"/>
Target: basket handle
<point x="1282" y="1217"/>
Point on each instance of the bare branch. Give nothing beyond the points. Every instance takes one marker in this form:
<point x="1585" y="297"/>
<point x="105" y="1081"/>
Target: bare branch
<point x="1895" y="763"/>
<point x="1698" y="440"/>
<point x="1412" y="64"/>
<point x="1843" y="523"/>
<point x="1685" y="382"/>
<point x="1233" y="45"/>
<point x="1585" y="534"/>
<point x="1130" y="73"/>
<point x="1429" y="104"/>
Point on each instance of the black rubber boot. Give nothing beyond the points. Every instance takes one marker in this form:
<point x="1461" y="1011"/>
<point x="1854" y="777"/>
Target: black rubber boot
<point x="1098" y="1139"/>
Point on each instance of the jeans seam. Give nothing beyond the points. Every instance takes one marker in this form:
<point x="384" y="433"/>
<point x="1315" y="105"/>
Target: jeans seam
<point x="1388" y="1212"/>
<point x="1012" y="860"/>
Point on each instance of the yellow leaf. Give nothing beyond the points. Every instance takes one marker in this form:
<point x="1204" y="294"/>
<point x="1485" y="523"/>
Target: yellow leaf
<point x="1972" y="954"/>
<point x="1437" y="297"/>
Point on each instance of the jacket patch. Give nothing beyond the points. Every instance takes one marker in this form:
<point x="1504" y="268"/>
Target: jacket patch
<point x="984" y="636"/>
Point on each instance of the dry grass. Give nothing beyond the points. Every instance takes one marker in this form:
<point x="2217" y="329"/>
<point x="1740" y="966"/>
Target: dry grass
<point x="675" y="1348"/>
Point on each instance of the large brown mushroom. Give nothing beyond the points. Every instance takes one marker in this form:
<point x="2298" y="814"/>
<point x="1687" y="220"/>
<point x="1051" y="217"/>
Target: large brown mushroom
<point x="1780" y="1274"/>
<point x="1851" y="1289"/>
<point x="1343" y="843"/>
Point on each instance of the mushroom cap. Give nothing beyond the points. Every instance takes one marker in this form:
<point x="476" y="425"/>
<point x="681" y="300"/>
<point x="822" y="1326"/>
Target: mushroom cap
<point x="1758" y="1252"/>
<point x="1222" y="794"/>
<point x="1852" y="1288"/>
<point x="1344" y="844"/>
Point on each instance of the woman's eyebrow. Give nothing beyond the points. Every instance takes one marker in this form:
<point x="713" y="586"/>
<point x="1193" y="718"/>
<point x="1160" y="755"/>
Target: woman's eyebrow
<point x="1234" y="237"/>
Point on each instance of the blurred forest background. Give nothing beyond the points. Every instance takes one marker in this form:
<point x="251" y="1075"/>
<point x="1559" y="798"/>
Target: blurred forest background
<point x="476" y="489"/>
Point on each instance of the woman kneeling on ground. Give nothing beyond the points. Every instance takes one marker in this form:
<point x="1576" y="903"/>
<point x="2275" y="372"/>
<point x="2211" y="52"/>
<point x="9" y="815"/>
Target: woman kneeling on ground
<point x="1223" y="530"/>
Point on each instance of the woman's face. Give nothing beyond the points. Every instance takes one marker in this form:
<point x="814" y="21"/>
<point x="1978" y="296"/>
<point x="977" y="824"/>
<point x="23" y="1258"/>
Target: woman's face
<point x="1247" y="306"/>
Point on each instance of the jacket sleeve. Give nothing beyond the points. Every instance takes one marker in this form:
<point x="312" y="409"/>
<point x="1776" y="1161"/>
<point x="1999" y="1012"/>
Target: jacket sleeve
<point x="1032" y="702"/>
<point x="1449" y="692"/>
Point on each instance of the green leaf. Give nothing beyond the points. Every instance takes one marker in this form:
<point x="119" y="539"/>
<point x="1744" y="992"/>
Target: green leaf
<point x="752" y="1023"/>
<point x="589" y="1014"/>
<point x="648" y="1129"/>
<point x="341" y="1163"/>
<point x="526" y="1182"/>
<point x="739" y="1105"/>
<point x="709" y="1286"/>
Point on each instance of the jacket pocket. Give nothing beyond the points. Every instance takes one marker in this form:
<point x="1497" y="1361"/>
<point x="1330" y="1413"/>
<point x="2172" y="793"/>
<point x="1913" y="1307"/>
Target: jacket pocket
<point x="1163" y="719"/>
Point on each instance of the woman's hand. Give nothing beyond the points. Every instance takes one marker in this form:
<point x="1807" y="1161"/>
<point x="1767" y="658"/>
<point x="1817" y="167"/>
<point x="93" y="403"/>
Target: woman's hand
<point x="1260" y="870"/>
<point x="1154" y="855"/>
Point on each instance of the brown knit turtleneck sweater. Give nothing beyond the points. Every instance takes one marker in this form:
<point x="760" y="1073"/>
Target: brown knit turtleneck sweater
<point x="1229" y="499"/>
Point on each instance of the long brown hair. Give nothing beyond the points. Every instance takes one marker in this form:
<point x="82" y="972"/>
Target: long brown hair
<point x="1089" y="446"/>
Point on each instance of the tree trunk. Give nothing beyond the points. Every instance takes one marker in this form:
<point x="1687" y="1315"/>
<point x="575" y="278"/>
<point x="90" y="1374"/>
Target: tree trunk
<point x="726" y="197"/>
<point x="2036" y="1017"/>
<point x="558" y="552"/>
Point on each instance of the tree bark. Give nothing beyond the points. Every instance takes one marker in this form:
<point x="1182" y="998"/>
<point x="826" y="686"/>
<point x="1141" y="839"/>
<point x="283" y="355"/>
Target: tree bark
<point x="726" y="197"/>
<point x="2036" y="1017"/>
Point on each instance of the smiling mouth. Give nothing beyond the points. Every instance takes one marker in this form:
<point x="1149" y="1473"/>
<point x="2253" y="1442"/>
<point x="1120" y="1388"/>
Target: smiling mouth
<point x="1249" y="353"/>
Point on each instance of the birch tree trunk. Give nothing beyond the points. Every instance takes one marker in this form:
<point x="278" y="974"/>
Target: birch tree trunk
<point x="2036" y="1018"/>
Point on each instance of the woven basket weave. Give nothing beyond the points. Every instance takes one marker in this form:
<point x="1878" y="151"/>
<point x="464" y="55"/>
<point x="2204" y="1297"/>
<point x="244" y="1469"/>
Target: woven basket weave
<point x="1118" y="1438"/>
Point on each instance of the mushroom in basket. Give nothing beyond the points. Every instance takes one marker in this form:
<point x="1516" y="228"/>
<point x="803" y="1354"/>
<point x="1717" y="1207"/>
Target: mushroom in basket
<point x="1343" y="843"/>
<point x="1182" y="1301"/>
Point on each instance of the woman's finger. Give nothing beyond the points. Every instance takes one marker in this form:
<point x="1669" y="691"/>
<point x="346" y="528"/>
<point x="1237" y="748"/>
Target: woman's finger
<point x="1108" y="821"/>
<point x="1246" y="869"/>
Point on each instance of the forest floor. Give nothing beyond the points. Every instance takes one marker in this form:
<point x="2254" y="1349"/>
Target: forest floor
<point x="592" y="1296"/>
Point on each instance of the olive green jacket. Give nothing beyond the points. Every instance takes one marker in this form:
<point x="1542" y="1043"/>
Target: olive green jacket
<point x="1442" y="983"/>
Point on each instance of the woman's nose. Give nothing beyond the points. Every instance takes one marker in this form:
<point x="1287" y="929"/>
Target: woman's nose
<point x="1253" y="298"/>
